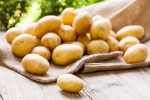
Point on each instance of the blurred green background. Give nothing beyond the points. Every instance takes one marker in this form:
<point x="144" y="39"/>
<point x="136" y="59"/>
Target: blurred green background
<point x="22" y="12"/>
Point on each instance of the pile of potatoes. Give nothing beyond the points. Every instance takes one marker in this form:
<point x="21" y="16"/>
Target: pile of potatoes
<point x="66" y="38"/>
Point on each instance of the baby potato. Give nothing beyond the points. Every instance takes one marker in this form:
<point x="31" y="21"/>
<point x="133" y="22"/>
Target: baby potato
<point x="132" y="30"/>
<point x="23" y="45"/>
<point x="67" y="33"/>
<point x="97" y="46"/>
<point x="136" y="53"/>
<point x="113" y="34"/>
<point x="97" y="17"/>
<point x="30" y="29"/>
<point x="12" y="33"/>
<point x="67" y="16"/>
<point x="70" y="83"/>
<point x="113" y="44"/>
<point x="47" y="24"/>
<point x="85" y="39"/>
<point x="100" y="29"/>
<point x="66" y="53"/>
<point x="51" y="41"/>
<point x="127" y="42"/>
<point x="82" y="23"/>
<point x="35" y="64"/>
<point x="42" y="51"/>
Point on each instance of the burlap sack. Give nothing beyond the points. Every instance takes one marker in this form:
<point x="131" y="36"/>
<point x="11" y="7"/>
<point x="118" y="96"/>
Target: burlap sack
<point x="120" y="14"/>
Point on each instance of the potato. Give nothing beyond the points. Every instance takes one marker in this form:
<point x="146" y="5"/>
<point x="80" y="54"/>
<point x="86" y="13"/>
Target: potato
<point x="97" y="17"/>
<point x="47" y="24"/>
<point x="12" y="33"/>
<point x="51" y="41"/>
<point x="42" y="51"/>
<point x="100" y="29"/>
<point x="66" y="53"/>
<point x="67" y="16"/>
<point x="127" y="42"/>
<point x="30" y="29"/>
<point x="70" y="83"/>
<point x="38" y="41"/>
<point x="113" y="44"/>
<point x="113" y="34"/>
<point x="97" y="46"/>
<point x="84" y="39"/>
<point x="132" y="30"/>
<point x="35" y="64"/>
<point x="67" y="33"/>
<point x="82" y="23"/>
<point x="23" y="44"/>
<point x="136" y="53"/>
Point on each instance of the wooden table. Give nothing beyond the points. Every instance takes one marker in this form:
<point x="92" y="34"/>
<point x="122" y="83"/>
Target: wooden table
<point x="131" y="84"/>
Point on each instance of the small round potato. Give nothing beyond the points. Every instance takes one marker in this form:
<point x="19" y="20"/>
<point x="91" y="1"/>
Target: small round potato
<point x="97" y="46"/>
<point x="47" y="24"/>
<point x="127" y="42"/>
<point x="30" y="29"/>
<point x="82" y="23"/>
<point x="67" y="16"/>
<point x="100" y="29"/>
<point x="70" y="83"/>
<point x="12" y="33"/>
<point x="85" y="39"/>
<point x="97" y="17"/>
<point x="23" y="45"/>
<point x="35" y="64"/>
<point x="51" y="41"/>
<point x="42" y="51"/>
<point x="113" y="44"/>
<point x="136" y="53"/>
<point x="133" y="30"/>
<point x="66" y="53"/>
<point x="67" y="33"/>
<point x="113" y="34"/>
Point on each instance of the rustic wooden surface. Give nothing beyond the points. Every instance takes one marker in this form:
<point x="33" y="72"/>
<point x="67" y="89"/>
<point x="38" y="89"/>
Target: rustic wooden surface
<point x="131" y="84"/>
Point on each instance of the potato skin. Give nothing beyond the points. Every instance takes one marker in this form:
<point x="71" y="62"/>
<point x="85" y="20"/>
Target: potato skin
<point x="42" y="51"/>
<point x="132" y="30"/>
<point x="70" y="83"/>
<point x="67" y="33"/>
<point x="100" y="29"/>
<point x="66" y="53"/>
<point x="85" y="39"/>
<point x="136" y="53"/>
<point x="113" y="44"/>
<point x="35" y="64"/>
<point x="97" y="46"/>
<point x="51" y="41"/>
<point x="47" y="24"/>
<point x="23" y="45"/>
<point x="97" y="17"/>
<point x="67" y="16"/>
<point x="82" y="23"/>
<point x="30" y="29"/>
<point x="127" y="42"/>
<point x="12" y="33"/>
<point x="113" y="34"/>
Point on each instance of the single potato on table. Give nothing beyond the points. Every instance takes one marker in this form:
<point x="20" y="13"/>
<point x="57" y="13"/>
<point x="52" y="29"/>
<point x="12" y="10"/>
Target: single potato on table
<point x="70" y="83"/>
<point x="127" y="42"/>
<point x="35" y="64"/>
<point x="12" y="33"/>
<point x="30" y="29"/>
<point x="136" y="53"/>
<point x="23" y="45"/>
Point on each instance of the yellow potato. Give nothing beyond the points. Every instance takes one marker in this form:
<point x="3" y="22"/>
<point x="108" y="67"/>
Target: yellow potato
<point x="38" y="41"/>
<point x="133" y="30"/>
<point x="42" y="51"/>
<point x="47" y="24"/>
<point x="127" y="42"/>
<point x="30" y="29"/>
<point x="100" y="29"/>
<point x="12" y="33"/>
<point x="113" y="34"/>
<point x="35" y="64"/>
<point x="82" y="23"/>
<point x="67" y="33"/>
<point x="70" y="83"/>
<point x="113" y="44"/>
<point x="23" y="44"/>
<point x="136" y="53"/>
<point x="51" y="41"/>
<point x="97" y="46"/>
<point x="97" y="17"/>
<point x="84" y="39"/>
<point x="66" y="53"/>
<point x="67" y="16"/>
